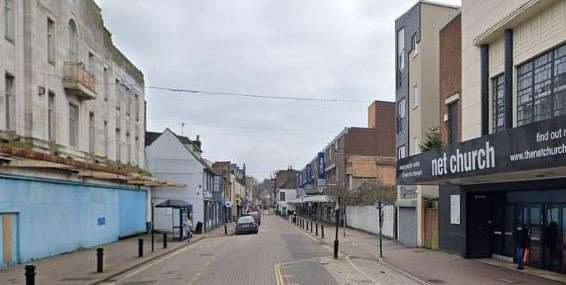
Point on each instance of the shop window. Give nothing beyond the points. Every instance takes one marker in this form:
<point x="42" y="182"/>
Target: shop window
<point x="498" y="102"/>
<point x="452" y="123"/>
<point x="541" y="87"/>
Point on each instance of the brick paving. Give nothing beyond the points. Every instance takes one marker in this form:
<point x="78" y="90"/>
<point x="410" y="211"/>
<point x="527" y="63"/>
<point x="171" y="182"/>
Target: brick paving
<point x="432" y="267"/>
<point x="79" y="267"/>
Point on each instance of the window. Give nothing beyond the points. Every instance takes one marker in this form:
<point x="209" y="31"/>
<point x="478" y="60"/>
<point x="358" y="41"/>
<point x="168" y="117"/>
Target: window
<point x="452" y="110"/>
<point x="414" y="43"/>
<point x="401" y="152"/>
<point x="414" y="147"/>
<point x="10" y="97"/>
<point x="73" y="125"/>
<point x="73" y="41"/>
<point x="415" y="96"/>
<point x="9" y="20"/>
<point x="137" y="107"/>
<point x="128" y="148"/>
<point x="91" y="137"/>
<point x="541" y="87"/>
<point x="136" y="150"/>
<point x="401" y="49"/>
<point x="401" y="113"/>
<point x="50" y="41"/>
<point x="106" y="82"/>
<point x="91" y="62"/>
<point x="498" y="102"/>
<point x="282" y="196"/>
<point x="128" y="104"/>
<point x="106" y="140"/>
<point x="51" y="116"/>
<point x="118" y="145"/>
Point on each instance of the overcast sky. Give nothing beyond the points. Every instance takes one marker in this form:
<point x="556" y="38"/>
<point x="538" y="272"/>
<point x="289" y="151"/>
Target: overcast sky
<point x="339" y="49"/>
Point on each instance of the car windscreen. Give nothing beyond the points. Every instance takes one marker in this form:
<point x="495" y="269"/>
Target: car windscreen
<point x="245" y="220"/>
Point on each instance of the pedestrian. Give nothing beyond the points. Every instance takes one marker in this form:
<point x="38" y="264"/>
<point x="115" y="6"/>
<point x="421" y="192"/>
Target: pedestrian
<point x="188" y="227"/>
<point x="522" y="240"/>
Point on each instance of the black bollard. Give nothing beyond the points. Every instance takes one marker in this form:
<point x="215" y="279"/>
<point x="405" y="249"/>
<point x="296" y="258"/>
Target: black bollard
<point x="316" y="229"/>
<point x="311" y="227"/>
<point x="30" y="274"/>
<point x="99" y="260"/>
<point x="164" y="240"/>
<point x="322" y="231"/>
<point x="225" y="229"/>
<point x="140" y="247"/>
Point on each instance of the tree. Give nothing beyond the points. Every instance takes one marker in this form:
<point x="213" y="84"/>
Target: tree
<point x="431" y="141"/>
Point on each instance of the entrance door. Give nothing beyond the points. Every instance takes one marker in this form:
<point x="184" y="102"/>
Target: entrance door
<point x="479" y="226"/>
<point x="553" y="237"/>
<point x="8" y="240"/>
<point x="532" y="216"/>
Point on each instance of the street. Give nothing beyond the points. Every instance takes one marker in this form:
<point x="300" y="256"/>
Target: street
<point x="280" y="254"/>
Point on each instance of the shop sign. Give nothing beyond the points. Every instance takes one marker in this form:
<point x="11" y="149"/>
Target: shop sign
<point x="455" y="209"/>
<point x="321" y="166"/>
<point x="535" y="146"/>
<point x="408" y="191"/>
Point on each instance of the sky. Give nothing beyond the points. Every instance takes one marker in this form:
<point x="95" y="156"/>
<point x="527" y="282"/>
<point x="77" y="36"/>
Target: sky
<point x="333" y="49"/>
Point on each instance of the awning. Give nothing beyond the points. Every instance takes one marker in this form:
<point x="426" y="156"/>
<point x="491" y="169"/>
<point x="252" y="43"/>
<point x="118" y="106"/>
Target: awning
<point x="312" y="198"/>
<point x="176" y="204"/>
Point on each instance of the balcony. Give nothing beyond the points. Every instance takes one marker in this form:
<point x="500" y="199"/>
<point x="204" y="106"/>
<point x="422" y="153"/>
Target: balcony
<point x="79" y="81"/>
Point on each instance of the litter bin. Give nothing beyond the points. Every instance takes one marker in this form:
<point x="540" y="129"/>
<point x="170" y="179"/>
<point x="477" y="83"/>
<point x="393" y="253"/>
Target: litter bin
<point x="198" y="228"/>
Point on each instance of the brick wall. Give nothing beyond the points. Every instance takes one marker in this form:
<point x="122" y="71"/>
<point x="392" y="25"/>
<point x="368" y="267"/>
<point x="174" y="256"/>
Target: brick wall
<point x="381" y="169"/>
<point x="450" y="73"/>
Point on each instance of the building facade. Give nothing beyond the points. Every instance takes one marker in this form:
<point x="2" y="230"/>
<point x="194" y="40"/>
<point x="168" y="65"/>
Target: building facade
<point x="509" y="168"/>
<point x="235" y="188"/>
<point x="417" y="97"/>
<point x="71" y="132"/>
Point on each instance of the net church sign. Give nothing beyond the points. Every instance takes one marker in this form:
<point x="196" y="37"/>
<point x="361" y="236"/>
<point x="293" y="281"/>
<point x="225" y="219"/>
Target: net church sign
<point x="536" y="146"/>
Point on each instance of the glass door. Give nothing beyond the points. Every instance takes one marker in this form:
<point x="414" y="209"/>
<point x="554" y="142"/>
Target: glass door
<point x="536" y="230"/>
<point x="553" y="237"/>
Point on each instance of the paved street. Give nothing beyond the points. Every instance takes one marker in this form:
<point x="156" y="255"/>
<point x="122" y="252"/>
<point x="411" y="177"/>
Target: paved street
<point x="280" y="254"/>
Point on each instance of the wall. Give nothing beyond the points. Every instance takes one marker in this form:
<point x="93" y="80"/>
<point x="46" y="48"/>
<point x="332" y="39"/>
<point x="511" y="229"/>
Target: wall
<point x="450" y="61"/>
<point x="451" y="237"/>
<point x="57" y="217"/>
<point x="545" y="28"/>
<point x="365" y="218"/>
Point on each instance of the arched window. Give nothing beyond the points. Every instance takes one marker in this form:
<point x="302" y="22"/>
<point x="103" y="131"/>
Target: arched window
<point x="73" y="41"/>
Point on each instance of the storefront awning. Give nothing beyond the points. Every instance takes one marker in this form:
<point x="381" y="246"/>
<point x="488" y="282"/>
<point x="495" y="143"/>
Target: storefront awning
<point x="312" y="198"/>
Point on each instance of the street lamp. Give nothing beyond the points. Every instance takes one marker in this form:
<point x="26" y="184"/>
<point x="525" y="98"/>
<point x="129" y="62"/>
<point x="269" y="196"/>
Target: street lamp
<point x="337" y="220"/>
<point x="379" y="207"/>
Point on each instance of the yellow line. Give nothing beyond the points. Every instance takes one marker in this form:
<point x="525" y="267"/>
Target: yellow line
<point x="278" y="275"/>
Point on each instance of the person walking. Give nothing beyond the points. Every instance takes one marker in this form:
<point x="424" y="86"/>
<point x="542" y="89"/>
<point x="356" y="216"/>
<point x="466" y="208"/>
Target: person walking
<point x="188" y="228"/>
<point x="522" y="240"/>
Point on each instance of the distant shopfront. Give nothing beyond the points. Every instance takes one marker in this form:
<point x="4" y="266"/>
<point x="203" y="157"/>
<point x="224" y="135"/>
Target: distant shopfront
<point x="489" y="185"/>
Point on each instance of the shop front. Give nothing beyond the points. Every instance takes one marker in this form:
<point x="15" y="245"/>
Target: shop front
<point x="491" y="185"/>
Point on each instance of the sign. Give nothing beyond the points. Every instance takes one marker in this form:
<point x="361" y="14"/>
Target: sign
<point x="455" y="209"/>
<point x="408" y="191"/>
<point x="321" y="166"/>
<point x="101" y="221"/>
<point x="534" y="146"/>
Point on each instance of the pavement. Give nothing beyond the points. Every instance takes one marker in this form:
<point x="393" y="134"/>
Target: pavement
<point x="79" y="267"/>
<point x="427" y="266"/>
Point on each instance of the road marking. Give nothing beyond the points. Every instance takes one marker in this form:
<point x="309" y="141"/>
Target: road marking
<point x="360" y="271"/>
<point x="278" y="275"/>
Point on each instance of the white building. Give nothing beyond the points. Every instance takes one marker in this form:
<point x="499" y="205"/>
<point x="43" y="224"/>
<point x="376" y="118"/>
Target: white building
<point x="283" y="198"/>
<point x="178" y="159"/>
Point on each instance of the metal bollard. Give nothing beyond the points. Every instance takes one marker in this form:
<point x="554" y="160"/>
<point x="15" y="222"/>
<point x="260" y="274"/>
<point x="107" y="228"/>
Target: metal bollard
<point x="322" y="231"/>
<point x="140" y="247"/>
<point x="164" y="240"/>
<point x="30" y="274"/>
<point x="316" y="229"/>
<point x="311" y="227"/>
<point x="99" y="260"/>
<point x="225" y="229"/>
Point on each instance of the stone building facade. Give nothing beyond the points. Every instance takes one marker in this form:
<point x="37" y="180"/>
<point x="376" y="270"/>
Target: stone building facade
<point x="67" y="89"/>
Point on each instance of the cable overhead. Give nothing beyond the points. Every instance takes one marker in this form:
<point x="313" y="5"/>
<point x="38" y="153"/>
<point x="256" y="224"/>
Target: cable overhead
<point x="234" y="94"/>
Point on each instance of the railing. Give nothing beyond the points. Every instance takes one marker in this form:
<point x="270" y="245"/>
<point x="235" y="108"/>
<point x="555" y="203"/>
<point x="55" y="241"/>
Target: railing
<point x="77" y="74"/>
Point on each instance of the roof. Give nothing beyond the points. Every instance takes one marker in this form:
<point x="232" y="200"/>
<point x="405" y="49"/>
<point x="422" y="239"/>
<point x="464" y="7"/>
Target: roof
<point x="150" y="137"/>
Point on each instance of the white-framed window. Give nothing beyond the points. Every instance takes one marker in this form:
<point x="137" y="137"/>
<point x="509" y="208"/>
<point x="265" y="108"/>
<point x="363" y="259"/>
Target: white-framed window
<point x="415" y="96"/>
<point x="401" y="152"/>
<point x="10" y="101"/>
<point x="9" y="20"/>
<point x="414" y="148"/>
<point x="401" y="49"/>
<point x="51" y="38"/>
<point x="402" y="108"/>
<point x="73" y="41"/>
<point x="414" y="46"/>
<point x="91" y="62"/>
<point x="51" y="116"/>
<point x="73" y="125"/>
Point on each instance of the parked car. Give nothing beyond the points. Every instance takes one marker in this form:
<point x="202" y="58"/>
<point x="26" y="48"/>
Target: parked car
<point x="246" y="225"/>
<point x="255" y="215"/>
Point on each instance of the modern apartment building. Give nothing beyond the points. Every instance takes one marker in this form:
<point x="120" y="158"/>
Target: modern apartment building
<point x="71" y="131"/>
<point x="417" y="95"/>
<point x="510" y="167"/>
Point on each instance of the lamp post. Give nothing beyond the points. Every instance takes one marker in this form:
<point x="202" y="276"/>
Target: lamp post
<point x="379" y="207"/>
<point x="337" y="220"/>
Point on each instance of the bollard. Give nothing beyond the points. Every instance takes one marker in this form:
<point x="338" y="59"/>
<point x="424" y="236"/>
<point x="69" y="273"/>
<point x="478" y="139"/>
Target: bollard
<point x="311" y="227"/>
<point x="307" y="225"/>
<point x="99" y="260"/>
<point x="140" y="247"/>
<point x="322" y="231"/>
<point x="225" y="229"/>
<point x="164" y="240"/>
<point x="30" y="274"/>
<point x="316" y="229"/>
